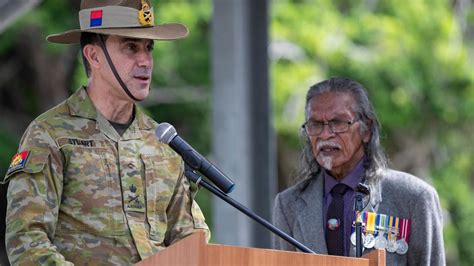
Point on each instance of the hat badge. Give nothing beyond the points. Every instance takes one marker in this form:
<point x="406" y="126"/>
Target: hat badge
<point x="145" y="15"/>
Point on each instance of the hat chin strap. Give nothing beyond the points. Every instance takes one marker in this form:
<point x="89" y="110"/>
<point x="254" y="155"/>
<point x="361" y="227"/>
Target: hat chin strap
<point x="112" y="67"/>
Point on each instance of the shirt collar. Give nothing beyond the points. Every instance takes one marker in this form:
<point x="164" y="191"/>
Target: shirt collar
<point x="351" y="180"/>
<point x="81" y="105"/>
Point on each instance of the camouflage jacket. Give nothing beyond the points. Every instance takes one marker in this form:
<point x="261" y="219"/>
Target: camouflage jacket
<point x="81" y="193"/>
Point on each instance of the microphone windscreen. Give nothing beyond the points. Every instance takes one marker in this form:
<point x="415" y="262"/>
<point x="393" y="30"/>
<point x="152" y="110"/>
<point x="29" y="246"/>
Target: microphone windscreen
<point x="165" y="132"/>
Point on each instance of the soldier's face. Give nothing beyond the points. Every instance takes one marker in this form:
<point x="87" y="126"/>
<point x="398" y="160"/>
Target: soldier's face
<point x="338" y="153"/>
<point x="134" y="62"/>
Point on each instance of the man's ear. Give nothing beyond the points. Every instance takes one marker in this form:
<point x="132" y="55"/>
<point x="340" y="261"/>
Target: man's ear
<point x="91" y="53"/>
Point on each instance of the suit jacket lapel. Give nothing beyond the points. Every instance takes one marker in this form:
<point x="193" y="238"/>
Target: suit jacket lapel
<point x="310" y="218"/>
<point x="375" y="196"/>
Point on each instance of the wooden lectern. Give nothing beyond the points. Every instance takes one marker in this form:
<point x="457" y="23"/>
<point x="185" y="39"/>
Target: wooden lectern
<point x="193" y="251"/>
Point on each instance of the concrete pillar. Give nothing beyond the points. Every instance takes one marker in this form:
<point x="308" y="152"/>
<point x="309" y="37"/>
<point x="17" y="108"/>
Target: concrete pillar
<point x="243" y="141"/>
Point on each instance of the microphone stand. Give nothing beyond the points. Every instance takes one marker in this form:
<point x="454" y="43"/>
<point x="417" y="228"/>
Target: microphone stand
<point x="359" y="207"/>
<point x="198" y="180"/>
<point x="358" y="225"/>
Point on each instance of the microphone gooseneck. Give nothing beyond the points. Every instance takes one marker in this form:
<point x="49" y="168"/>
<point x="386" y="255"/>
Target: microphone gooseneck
<point x="167" y="134"/>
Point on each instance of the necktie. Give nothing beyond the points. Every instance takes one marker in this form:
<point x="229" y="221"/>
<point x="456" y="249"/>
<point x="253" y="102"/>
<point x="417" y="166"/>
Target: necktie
<point x="335" y="216"/>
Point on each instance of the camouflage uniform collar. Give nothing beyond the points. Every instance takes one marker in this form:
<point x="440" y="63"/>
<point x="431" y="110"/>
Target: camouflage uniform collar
<point x="144" y="122"/>
<point x="81" y="105"/>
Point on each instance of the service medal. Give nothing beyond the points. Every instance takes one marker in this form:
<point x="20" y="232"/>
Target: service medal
<point x="380" y="242"/>
<point x="382" y="225"/>
<point x="392" y="246"/>
<point x="370" y="229"/>
<point x="392" y="231"/>
<point x="402" y="242"/>
<point x="369" y="241"/>
<point x="353" y="239"/>
<point x="402" y="247"/>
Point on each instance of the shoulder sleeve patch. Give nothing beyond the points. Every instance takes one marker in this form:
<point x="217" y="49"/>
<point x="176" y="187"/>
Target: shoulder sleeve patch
<point x="29" y="161"/>
<point x="18" y="161"/>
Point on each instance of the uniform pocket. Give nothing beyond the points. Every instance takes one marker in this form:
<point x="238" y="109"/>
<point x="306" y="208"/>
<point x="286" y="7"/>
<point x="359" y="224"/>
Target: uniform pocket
<point x="91" y="190"/>
<point x="161" y="175"/>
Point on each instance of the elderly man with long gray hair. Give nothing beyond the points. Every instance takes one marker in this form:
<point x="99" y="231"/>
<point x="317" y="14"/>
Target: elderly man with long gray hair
<point x="342" y="153"/>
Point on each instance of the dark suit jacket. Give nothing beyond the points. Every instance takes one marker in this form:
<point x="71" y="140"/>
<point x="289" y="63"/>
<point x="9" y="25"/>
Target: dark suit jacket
<point x="298" y="212"/>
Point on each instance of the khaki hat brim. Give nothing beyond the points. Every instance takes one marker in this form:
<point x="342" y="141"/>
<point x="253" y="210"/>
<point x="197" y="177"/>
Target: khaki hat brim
<point x="164" y="32"/>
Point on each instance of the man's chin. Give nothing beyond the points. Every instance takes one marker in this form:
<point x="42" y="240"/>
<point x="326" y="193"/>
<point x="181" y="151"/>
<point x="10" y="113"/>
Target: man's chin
<point x="141" y="93"/>
<point x="141" y="98"/>
<point x="326" y="162"/>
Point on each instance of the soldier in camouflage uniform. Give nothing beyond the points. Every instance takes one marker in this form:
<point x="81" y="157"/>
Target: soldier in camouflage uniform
<point x="91" y="183"/>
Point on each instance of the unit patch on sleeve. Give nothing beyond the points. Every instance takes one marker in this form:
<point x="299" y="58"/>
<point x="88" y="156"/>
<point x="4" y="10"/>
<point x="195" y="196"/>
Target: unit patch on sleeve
<point x="18" y="161"/>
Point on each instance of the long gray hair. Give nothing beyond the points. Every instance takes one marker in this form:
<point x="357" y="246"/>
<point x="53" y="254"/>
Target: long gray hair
<point x="376" y="160"/>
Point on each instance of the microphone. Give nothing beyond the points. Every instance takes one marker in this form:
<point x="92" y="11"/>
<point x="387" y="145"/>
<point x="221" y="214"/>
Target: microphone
<point x="363" y="188"/>
<point x="167" y="134"/>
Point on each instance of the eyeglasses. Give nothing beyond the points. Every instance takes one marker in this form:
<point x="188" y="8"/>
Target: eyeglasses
<point x="314" y="128"/>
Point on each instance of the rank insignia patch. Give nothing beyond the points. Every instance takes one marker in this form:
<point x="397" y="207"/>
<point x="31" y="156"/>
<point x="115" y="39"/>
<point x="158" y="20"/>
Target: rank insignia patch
<point x="18" y="161"/>
<point x="135" y="202"/>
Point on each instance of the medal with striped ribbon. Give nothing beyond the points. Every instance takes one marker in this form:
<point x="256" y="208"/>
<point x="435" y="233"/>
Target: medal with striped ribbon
<point x="369" y="240"/>
<point x="382" y="225"/>
<point x="392" y="234"/>
<point x="402" y="243"/>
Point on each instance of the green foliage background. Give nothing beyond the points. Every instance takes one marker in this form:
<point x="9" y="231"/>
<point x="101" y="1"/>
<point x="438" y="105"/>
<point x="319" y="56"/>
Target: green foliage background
<point x="414" y="57"/>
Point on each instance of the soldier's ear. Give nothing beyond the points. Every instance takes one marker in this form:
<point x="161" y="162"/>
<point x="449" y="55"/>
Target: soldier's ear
<point x="91" y="53"/>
